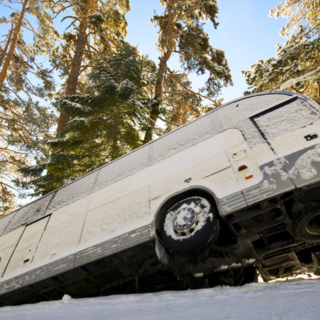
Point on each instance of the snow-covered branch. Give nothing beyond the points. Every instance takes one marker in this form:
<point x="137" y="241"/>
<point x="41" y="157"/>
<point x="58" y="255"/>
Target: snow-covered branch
<point x="308" y="76"/>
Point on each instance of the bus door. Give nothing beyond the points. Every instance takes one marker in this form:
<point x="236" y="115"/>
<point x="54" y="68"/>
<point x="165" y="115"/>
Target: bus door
<point x="244" y="164"/>
<point x="292" y="130"/>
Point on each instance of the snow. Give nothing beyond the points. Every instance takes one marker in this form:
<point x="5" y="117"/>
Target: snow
<point x="122" y="167"/>
<point x="297" y="300"/>
<point x="250" y="133"/>
<point x="308" y="76"/>
<point x="198" y="275"/>
<point x="303" y="166"/>
<point x="66" y="298"/>
<point x="278" y="167"/>
<point x="285" y="119"/>
<point x="72" y="191"/>
<point x="236" y="114"/>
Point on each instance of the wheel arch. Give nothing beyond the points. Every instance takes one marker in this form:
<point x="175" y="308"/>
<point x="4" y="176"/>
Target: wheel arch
<point x="169" y="201"/>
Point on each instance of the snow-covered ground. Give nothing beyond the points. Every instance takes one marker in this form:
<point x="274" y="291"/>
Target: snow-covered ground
<point x="298" y="300"/>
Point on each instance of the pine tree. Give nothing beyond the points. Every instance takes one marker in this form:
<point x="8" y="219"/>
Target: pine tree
<point x="24" y="123"/>
<point x="105" y="121"/>
<point x="16" y="53"/>
<point x="97" y="28"/>
<point x="296" y="65"/>
<point x="181" y="32"/>
<point x="180" y="104"/>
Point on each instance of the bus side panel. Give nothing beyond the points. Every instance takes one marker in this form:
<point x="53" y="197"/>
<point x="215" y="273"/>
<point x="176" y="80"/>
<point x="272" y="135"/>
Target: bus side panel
<point x="117" y="217"/>
<point x="73" y="191"/>
<point x="295" y="141"/>
<point x="263" y="153"/>
<point x="214" y="173"/>
<point x="25" y="250"/>
<point x="69" y="213"/>
<point x="188" y="166"/>
<point x="222" y="184"/>
<point x="8" y="243"/>
<point x="123" y="167"/>
<point x="303" y="166"/>
<point x="301" y="151"/>
<point x="193" y="134"/>
<point x="60" y="240"/>
<point x="119" y="189"/>
<point x="5" y="222"/>
<point x="189" y="176"/>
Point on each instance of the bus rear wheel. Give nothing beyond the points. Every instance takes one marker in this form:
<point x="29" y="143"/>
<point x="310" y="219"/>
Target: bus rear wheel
<point x="307" y="226"/>
<point x="190" y="226"/>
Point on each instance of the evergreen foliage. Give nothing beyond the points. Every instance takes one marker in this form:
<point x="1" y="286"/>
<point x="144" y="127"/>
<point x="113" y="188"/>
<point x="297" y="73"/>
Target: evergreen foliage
<point x="25" y="123"/>
<point x="296" y="65"/>
<point x="105" y="120"/>
<point x="181" y="32"/>
<point x="111" y="95"/>
<point x="97" y="28"/>
<point x="179" y="103"/>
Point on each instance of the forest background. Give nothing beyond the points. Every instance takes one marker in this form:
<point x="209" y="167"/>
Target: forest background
<point x="82" y="82"/>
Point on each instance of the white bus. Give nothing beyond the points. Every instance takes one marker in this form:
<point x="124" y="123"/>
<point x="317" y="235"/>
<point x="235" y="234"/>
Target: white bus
<point x="232" y="192"/>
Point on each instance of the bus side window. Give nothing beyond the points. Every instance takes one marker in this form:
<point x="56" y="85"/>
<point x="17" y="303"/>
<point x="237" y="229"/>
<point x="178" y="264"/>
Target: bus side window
<point x="286" y="118"/>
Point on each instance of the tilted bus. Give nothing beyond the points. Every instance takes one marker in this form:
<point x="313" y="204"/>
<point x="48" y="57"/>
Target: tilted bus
<point x="233" y="192"/>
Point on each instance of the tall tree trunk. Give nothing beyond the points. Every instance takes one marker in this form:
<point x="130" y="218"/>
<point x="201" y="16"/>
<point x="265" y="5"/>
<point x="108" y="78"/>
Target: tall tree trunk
<point x="115" y="139"/>
<point x="16" y="33"/>
<point x="154" y="114"/>
<point x="72" y="82"/>
<point x="7" y="46"/>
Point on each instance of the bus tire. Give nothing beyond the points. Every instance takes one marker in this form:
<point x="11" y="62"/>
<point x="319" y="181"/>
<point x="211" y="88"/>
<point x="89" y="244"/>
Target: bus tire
<point x="307" y="226"/>
<point x="190" y="226"/>
<point x="247" y="275"/>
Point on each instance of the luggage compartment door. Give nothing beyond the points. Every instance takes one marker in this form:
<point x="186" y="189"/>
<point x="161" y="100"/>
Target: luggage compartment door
<point x="8" y="243"/>
<point x="27" y="246"/>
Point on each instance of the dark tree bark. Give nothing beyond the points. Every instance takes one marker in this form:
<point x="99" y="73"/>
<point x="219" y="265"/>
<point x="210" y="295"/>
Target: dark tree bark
<point x="154" y="114"/>
<point x="72" y="82"/>
<point x="14" y="40"/>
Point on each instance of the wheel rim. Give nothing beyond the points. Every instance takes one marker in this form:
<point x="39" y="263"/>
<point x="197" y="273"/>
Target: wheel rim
<point x="185" y="221"/>
<point x="313" y="226"/>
